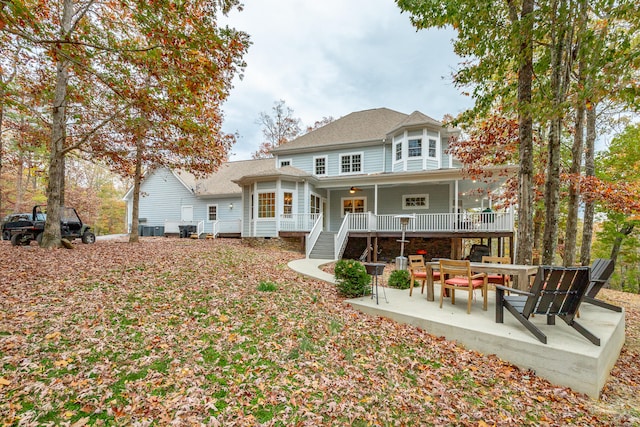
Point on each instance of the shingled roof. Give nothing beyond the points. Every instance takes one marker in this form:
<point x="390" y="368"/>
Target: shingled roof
<point x="360" y="126"/>
<point x="222" y="182"/>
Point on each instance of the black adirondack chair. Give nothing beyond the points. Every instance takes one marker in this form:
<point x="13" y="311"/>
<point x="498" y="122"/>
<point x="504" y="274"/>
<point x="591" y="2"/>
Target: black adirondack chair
<point x="556" y="291"/>
<point x="601" y="271"/>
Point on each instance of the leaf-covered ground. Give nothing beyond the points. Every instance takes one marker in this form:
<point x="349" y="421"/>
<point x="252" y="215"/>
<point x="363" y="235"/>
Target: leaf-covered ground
<point x="184" y="332"/>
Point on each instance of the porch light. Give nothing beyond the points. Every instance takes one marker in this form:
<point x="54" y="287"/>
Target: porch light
<point x="230" y="206"/>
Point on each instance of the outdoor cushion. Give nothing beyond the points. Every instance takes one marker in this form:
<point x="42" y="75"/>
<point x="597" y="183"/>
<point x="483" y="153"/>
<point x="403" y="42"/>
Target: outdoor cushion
<point x="463" y="281"/>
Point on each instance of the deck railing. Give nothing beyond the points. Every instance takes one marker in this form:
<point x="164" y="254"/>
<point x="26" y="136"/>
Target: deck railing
<point x="445" y="222"/>
<point x="174" y="226"/>
<point x="298" y="222"/>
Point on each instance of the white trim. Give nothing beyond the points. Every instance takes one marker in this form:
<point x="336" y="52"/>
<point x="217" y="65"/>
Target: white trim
<point x="326" y="165"/>
<point x="361" y="171"/>
<point x="408" y="208"/>
<point x="342" y="199"/>
<point x="275" y="205"/>
<point x="207" y="213"/>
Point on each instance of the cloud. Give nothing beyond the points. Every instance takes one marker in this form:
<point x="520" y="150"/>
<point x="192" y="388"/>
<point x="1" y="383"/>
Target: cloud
<point x="334" y="57"/>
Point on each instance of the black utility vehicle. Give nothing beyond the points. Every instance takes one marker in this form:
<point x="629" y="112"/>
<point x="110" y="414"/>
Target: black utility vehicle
<point x="13" y="220"/>
<point x="24" y="230"/>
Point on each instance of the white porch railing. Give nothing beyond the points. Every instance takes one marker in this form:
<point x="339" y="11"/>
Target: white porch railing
<point x="232" y="226"/>
<point x="447" y="222"/>
<point x="341" y="236"/>
<point x="312" y="238"/>
<point x="298" y="222"/>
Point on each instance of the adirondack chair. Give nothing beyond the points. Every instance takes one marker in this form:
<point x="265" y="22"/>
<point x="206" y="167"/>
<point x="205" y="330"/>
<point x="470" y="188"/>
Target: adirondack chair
<point x="556" y="291"/>
<point x="601" y="271"/>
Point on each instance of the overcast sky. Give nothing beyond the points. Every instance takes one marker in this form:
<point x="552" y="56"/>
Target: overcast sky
<point x="332" y="57"/>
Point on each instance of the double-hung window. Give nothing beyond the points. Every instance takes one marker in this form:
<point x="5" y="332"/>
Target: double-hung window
<point x="351" y="163"/>
<point x="433" y="149"/>
<point x="212" y="212"/>
<point x="415" y="148"/>
<point x="320" y="165"/>
<point x="399" y="151"/>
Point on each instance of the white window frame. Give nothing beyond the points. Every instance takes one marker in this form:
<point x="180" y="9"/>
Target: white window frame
<point x="292" y="201"/>
<point x="351" y="155"/>
<point x="397" y="149"/>
<point x="318" y="206"/>
<point x="209" y="213"/>
<point x="342" y="200"/>
<point x="435" y="148"/>
<point x="275" y="205"/>
<point x="415" y="196"/>
<point x="289" y="162"/>
<point x="326" y="165"/>
<point x="409" y="148"/>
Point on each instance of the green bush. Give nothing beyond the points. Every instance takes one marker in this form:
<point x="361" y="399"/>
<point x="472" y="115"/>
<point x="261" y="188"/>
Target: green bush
<point x="400" y="279"/>
<point x="352" y="278"/>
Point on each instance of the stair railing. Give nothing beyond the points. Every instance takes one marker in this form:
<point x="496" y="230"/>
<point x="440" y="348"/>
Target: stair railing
<point x="312" y="237"/>
<point x="340" y="242"/>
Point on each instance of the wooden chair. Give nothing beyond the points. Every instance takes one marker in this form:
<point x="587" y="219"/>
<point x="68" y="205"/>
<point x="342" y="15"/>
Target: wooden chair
<point x="498" y="279"/>
<point x="556" y="291"/>
<point x="601" y="271"/>
<point x="456" y="275"/>
<point x="418" y="271"/>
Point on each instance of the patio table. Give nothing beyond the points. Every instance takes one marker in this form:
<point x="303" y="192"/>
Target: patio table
<point x="520" y="271"/>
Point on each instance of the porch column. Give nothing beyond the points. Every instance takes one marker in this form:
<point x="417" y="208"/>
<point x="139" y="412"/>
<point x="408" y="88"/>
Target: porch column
<point x="254" y="215"/>
<point x="279" y="205"/>
<point x="375" y="199"/>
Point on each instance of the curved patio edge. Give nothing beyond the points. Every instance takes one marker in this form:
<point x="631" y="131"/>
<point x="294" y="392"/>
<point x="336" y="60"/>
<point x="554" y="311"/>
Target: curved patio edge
<point x="311" y="268"/>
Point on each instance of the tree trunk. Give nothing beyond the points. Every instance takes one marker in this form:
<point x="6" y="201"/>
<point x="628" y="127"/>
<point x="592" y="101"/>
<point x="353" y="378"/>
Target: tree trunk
<point x="589" y="170"/>
<point x="574" y="190"/>
<point x="525" y="121"/>
<point x="561" y="64"/>
<point x="51" y="237"/>
<point x="137" y="179"/>
<point x="552" y="195"/>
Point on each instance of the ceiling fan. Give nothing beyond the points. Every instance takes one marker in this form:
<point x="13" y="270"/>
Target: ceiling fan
<point x="352" y="190"/>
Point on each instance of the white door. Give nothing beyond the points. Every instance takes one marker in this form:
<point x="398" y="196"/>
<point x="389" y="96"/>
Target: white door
<point x="187" y="213"/>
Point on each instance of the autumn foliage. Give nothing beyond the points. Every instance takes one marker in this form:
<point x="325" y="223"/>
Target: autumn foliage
<point x="186" y="332"/>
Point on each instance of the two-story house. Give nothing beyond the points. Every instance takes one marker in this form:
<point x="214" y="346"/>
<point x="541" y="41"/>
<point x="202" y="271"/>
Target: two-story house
<point x="354" y="177"/>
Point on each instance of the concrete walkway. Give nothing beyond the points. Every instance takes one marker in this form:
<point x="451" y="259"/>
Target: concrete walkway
<point x="311" y="268"/>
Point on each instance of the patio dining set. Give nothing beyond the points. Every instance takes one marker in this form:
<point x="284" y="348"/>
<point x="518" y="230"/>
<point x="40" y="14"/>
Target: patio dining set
<point x="523" y="290"/>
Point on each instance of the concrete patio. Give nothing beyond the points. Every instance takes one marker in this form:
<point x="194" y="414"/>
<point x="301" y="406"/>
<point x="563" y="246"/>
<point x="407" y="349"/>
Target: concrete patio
<point x="568" y="359"/>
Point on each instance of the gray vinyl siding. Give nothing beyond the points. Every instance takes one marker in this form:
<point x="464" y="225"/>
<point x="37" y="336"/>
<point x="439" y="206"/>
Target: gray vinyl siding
<point x="390" y="201"/>
<point x="266" y="228"/>
<point x="162" y="198"/>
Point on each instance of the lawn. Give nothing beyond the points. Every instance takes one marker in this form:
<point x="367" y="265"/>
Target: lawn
<point x="214" y="332"/>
